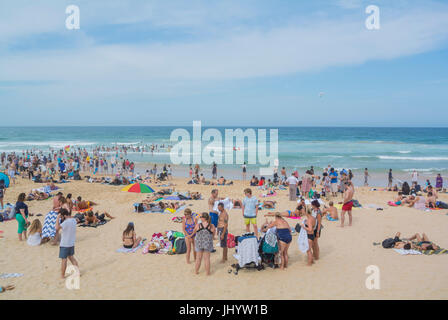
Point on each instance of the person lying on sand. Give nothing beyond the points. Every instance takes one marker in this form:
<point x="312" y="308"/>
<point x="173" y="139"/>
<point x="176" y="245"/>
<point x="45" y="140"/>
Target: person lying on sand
<point x="422" y="243"/>
<point x="129" y="238"/>
<point x="417" y="202"/>
<point x="298" y="212"/>
<point x="91" y="218"/>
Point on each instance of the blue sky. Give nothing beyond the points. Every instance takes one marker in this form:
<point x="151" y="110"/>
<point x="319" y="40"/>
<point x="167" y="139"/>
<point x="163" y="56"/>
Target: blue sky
<point x="225" y="62"/>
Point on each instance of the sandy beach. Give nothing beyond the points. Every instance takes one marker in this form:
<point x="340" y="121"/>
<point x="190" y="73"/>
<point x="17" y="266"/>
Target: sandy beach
<point x="339" y="274"/>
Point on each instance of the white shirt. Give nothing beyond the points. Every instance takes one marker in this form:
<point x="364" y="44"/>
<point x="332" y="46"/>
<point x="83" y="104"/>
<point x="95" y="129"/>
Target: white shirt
<point x="68" y="235"/>
<point x="34" y="239"/>
<point x="292" y="180"/>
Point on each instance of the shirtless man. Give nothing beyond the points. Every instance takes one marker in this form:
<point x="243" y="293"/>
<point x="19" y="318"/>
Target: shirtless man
<point x="348" y="203"/>
<point x="211" y="202"/>
<point x="331" y="212"/>
<point x="431" y="200"/>
<point x="223" y="230"/>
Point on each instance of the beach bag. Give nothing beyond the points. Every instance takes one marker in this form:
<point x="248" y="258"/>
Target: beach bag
<point x="388" y="243"/>
<point x="180" y="246"/>
<point x="231" y="241"/>
<point x="298" y="227"/>
<point x="269" y="249"/>
<point x="140" y="208"/>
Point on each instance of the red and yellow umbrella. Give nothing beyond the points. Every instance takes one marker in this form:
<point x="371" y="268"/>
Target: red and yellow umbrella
<point x="138" y="188"/>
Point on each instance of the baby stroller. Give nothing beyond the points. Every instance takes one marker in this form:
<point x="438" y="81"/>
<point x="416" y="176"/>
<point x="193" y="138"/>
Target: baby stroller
<point x="247" y="253"/>
<point x="268" y="248"/>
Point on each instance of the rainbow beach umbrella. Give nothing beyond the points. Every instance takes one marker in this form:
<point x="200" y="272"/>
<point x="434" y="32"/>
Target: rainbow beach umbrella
<point x="138" y="188"/>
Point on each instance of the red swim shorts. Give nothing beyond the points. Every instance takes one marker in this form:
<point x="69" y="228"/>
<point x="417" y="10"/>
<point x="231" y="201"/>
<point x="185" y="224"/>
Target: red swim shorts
<point x="347" y="206"/>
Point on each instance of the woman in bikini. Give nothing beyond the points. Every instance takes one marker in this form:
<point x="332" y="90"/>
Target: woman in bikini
<point x="204" y="232"/>
<point x="188" y="225"/>
<point x="284" y="238"/>
<point x="309" y="223"/>
<point x="130" y="239"/>
<point x="297" y="213"/>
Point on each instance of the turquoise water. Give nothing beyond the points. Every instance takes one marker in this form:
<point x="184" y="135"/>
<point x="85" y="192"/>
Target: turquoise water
<point x="402" y="149"/>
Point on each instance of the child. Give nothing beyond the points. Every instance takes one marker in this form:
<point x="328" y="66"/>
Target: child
<point x="67" y="224"/>
<point x="188" y="224"/>
<point x="34" y="236"/>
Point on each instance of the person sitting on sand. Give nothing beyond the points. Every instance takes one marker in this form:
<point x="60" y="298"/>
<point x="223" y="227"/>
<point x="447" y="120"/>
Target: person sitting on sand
<point x="431" y="200"/>
<point x="331" y="213"/>
<point x="34" y="234"/>
<point x="417" y="202"/>
<point x="129" y="238"/>
<point x="83" y="204"/>
<point x="56" y="203"/>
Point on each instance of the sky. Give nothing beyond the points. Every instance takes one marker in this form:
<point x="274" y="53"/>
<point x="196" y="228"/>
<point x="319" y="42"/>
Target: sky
<point x="224" y="62"/>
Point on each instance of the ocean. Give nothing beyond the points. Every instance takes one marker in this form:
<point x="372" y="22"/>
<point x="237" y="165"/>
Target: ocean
<point x="378" y="149"/>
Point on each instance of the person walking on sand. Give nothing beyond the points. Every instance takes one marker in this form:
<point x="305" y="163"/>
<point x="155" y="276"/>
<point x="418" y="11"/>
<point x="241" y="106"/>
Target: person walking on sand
<point x="390" y="179"/>
<point x="366" y="177"/>
<point x="292" y="183"/>
<point x="223" y="230"/>
<point x="22" y="216"/>
<point x="68" y="237"/>
<point x="250" y="211"/>
<point x="348" y="203"/>
<point x="244" y="166"/>
<point x="414" y="177"/>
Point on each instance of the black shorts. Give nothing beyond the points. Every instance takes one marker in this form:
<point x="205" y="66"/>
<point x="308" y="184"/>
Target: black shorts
<point x="222" y="243"/>
<point x="310" y="236"/>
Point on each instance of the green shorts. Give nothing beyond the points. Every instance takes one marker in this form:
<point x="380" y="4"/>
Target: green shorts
<point x="21" y="222"/>
<point x="248" y="221"/>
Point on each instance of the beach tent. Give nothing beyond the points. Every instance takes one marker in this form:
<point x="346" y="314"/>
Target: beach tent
<point x="5" y="178"/>
<point x="138" y="188"/>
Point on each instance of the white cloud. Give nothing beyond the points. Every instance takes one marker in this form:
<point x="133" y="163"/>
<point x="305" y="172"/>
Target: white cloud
<point x="251" y="53"/>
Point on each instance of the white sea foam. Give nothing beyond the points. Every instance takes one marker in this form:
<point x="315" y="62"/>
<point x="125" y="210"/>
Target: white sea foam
<point x="413" y="158"/>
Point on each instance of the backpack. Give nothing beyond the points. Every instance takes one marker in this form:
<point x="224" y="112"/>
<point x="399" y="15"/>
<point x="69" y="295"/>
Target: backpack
<point x="180" y="246"/>
<point x="388" y="243"/>
<point x="231" y="241"/>
<point x="298" y="227"/>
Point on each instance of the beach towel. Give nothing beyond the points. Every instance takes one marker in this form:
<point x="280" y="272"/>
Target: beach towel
<point x="93" y="225"/>
<point x="302" y="240"/>
<point x="49" y="228"/>
<point x="269" y="195"/>
<point x="172" y="198"/>
<point x="406" y="252"/>
<point x="10" y="275"/>
<point x="126" y="250"/>
<point x="392" y="204"/>
<point x="436" y="252"/>
<point x="228" y="204"/>
<point x="247" y="251"/>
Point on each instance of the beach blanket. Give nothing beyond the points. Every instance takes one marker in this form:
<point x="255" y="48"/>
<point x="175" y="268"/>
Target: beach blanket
<point x="49" y="228"/>
<point x="93" y="225"/>
<point x="436" y="252"/>
<point x="126" y="250"/>
<point x="10" y="275"/>
<point x="406" y="252"/>
<point x="172" y="198"/>
<point x="269" y="195"/>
